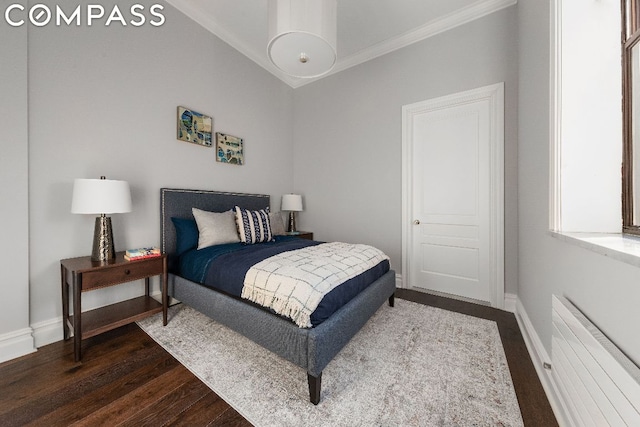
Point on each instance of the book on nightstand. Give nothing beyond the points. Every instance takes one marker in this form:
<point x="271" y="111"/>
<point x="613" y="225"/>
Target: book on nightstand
<point x="141" y="253"/>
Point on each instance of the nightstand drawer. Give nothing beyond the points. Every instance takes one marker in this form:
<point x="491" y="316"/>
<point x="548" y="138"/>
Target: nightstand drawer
<point x="120" y="273"/>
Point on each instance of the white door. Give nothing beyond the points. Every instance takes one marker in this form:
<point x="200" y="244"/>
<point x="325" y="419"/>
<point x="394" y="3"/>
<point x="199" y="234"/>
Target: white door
<point x="453" y="191"/>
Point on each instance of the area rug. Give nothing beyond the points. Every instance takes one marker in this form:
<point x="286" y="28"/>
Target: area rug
<point x="411" y="365"/>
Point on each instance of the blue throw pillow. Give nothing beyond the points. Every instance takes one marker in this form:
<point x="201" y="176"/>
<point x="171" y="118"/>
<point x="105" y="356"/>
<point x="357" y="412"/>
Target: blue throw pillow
<point x="186" y="234"/>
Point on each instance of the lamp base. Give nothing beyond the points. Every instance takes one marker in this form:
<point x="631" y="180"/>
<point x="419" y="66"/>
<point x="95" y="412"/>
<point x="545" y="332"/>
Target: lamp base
<point x="291" y="227"/>
<point x="103" y="248"/>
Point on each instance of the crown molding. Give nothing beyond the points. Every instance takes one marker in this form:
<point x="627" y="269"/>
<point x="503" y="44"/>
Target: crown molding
<point x="447" y="22"/>
<point x="430" y="29"/>
<point x="191" y="10"/>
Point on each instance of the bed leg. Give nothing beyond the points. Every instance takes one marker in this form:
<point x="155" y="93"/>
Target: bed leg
<point x="314" y="387"/>
<point x="392" y="300"/>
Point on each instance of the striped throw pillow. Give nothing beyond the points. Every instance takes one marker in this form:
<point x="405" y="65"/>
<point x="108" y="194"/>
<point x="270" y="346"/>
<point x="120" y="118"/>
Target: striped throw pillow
<point x="253" y="226"/>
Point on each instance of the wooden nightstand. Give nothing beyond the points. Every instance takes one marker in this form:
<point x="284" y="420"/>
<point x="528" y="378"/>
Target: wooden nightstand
<point x="83" y="275"/>
<point x="302" y="234"/>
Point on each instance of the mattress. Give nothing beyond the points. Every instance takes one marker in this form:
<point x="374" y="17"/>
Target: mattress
<point x="223" y="268"/>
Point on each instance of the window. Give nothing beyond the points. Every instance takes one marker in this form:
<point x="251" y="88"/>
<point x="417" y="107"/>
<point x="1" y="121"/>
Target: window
<point x="587" y="122"/>
<point x="631" y="116"/>
<point x="586" y="114"/>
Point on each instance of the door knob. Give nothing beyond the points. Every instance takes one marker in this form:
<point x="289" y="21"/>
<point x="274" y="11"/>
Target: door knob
<point x="416" y="222"/>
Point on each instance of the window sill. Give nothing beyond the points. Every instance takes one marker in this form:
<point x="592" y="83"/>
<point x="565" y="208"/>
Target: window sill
<point x="618" y="246"/>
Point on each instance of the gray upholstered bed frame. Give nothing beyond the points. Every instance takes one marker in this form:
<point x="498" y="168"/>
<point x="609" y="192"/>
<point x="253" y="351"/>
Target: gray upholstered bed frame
<point x="311" y="349"/>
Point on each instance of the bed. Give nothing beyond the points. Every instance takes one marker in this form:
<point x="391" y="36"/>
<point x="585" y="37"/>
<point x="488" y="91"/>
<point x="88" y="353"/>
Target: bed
<point x="310" y="348"/>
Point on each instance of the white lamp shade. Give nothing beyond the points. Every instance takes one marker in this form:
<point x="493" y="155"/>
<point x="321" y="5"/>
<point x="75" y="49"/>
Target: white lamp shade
<point x="100" y="196"/>
<point x="302" y="36"/>
<point x="291" y="203"/>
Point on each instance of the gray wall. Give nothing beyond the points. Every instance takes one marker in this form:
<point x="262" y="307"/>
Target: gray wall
<point x="606" y="290"/>
<point x="103" y="102"/>
<point x="14" y="181"/>
<point x="348" y="132"/>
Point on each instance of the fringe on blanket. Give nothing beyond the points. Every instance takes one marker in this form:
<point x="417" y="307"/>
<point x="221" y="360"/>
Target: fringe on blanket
<point x="293" y="283"/>
<point x="281" y="305"/>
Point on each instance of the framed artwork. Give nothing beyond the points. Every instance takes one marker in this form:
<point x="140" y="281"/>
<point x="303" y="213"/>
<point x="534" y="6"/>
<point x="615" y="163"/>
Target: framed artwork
<point x="229" y="149"/>
<point x="194" y="127"/>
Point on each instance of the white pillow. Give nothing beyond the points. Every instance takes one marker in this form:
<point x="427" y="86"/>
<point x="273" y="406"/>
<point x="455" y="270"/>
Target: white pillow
<point x="277" y="225"/>
<point x="215" y="228"/>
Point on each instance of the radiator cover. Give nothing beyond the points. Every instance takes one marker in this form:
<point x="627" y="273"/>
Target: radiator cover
<point x="597" y="383"/>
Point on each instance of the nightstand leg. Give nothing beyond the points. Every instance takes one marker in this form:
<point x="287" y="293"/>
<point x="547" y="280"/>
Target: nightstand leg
<point x="77" y="318"/>
<point x="165" y="292"/>
<point x="65" y="303"/>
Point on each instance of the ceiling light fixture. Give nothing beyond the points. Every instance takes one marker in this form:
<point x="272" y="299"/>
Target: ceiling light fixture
<point x="302" y="36"/>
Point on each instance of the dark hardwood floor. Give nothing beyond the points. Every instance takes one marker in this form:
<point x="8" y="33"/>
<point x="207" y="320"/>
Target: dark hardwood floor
<point x="125" y="378"/>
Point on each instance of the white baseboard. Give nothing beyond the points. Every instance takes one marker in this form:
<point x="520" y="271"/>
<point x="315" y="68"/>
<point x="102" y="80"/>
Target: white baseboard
<point x="510" y="301"/>
<point x="399" y="283"/>
<point x="50" y="331"/>
<point x="28" y="340"/>
<point x="47" y="332"/>
<point x="16" y="343"/>
<point x="539" y="357"/>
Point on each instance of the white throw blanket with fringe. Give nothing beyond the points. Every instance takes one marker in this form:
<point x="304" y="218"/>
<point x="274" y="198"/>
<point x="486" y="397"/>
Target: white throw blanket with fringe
<point x="293" y="283"/>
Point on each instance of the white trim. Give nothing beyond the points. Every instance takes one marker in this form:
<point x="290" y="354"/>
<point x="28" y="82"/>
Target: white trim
<point x="192" y="10"/>
<point x="497" y="193"/>
<point x="495" y="94"/>
<point x="50" y="331"/>
<point x="444" y="23"/>
<point x="539" y="357"/>
<point x="47" y="331"/>
<point x="16" y="343"/>
<point x="407" y="191"/>
<point x="510" y="302"/>
<point x="622" y="247"/>
<point x="555" y="116"/>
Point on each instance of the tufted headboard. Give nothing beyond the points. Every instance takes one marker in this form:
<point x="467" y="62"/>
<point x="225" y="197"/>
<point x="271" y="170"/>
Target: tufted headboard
<point x="178" y="203"/>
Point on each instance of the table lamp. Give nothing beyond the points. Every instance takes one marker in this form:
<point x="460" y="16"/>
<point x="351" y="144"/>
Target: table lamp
<point x="101" y="196"/>
<point x="291" y="203"/>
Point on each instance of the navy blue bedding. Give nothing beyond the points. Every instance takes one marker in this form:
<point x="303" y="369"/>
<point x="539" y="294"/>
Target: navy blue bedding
<point x="223" y="267"/>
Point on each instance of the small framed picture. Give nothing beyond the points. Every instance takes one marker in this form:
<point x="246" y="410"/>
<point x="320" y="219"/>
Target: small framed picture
<point x="229" y="149"/>
<point x="194" y="127"/>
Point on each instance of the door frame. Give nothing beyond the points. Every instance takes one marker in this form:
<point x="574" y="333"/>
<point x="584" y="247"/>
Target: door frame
<point x="494" y="94"/>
